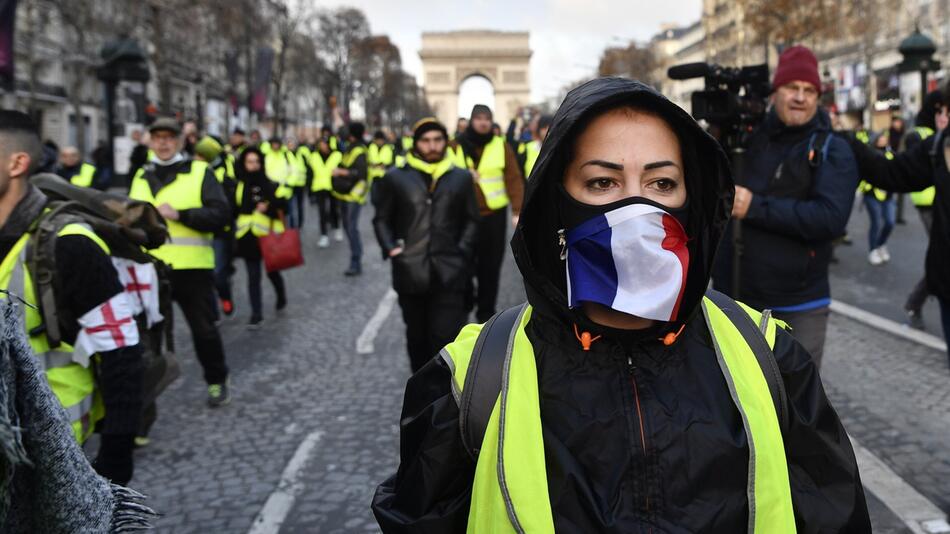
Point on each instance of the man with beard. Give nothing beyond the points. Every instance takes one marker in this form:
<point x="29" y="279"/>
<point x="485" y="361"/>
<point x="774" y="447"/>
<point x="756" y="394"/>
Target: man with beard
<point x="426" y="223"/>
<point x="498" y="183"/>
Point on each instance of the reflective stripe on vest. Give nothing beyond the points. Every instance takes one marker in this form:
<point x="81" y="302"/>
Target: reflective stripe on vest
<point x="323" y="169"/>
<point x="510" y="491"/>
<point x="491" y="172"/>
<point x="925" y="198"/>
<point x="73" y="384"/>
<point x="259" y="224"/>
<point x="358" y="193"/>
<point x="186" y="248"/>
<point x="84" y="177"/>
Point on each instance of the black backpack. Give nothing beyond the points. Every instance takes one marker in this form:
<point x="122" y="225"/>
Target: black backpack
<point x="486" y="367"/>
<point x="127" y="226"/>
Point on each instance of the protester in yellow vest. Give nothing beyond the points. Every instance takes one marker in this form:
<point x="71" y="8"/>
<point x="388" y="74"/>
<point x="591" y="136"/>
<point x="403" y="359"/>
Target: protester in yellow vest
<point x="323" y="161"/>
<point x="351" y="185"/>
<point x="498" y="183"/>
<point x="880" y="205"/>
<point x="380" y="156"/>
<point x="96" y="369"/>
<point x="208" y="149"/>
<point x="259" y="203"/>
<point x="191" y="200"/>
<point x="622" y="397"/>
<point x="71" y="167"/>
<point x="532" y="149"/>
<point x="298" y="155"/>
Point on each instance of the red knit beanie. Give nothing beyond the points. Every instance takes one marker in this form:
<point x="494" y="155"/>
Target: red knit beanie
<point x="797" y="63"/>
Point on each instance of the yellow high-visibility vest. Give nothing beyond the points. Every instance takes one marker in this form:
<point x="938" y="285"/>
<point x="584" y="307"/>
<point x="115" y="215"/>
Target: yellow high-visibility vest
<point x="491" y="171"/>
<point x="323" y="169"/>
<point x="510" y="490"/>
<point x="924" y="198"/>
<point x="186" y="248"/>
<point x="256" y="222"/>
<point x="72" y="383"/>
<point x="85" y="175"/>
<point x="379" y="158"/>
<point x="361" y="189"/>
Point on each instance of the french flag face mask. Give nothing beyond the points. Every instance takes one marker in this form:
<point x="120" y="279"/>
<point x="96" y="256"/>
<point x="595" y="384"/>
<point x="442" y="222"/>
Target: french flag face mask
<point x="632" y="258"/>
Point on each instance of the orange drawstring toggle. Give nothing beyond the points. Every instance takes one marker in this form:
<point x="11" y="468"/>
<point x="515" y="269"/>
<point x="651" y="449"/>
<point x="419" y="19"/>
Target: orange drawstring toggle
<point x="670" y="338"/>
<point x="585" y="339"/>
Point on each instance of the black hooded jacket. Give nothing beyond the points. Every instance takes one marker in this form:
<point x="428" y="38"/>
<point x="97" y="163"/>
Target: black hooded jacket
<point x="638" y="436"/>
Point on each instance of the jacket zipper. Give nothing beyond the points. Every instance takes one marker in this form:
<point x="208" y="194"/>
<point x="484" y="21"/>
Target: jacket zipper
<point x="631" y="368"/>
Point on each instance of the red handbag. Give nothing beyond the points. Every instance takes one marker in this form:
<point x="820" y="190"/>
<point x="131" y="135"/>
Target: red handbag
<point x="281" y="251"/>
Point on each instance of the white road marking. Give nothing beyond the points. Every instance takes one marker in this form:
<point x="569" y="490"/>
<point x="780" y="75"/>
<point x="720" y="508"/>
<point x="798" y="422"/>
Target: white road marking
<point x="916" y="511"/>
<point x="364" y="343"/>
<point x="280" y="502"/>
<point x="889" y="326"/>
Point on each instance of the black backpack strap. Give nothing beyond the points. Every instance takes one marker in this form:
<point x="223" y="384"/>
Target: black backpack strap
<point x="818" y="148"/>
<point x="484" y="376"/>
<point x="754" y="335"/>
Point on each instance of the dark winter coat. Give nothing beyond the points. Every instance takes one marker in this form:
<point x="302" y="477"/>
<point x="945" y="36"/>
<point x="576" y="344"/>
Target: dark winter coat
<point x="795" y="214"/>
<point x="913" y="170"/>
<point x="638" y="436"/>
<point x="435" y="223"/>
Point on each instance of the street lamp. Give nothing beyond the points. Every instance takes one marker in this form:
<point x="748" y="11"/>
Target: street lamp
<point x="918" y="51"/>
<point x="122" y="59"/>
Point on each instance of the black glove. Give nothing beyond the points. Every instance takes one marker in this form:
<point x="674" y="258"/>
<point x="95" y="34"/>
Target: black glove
<point x="114" y="461"/>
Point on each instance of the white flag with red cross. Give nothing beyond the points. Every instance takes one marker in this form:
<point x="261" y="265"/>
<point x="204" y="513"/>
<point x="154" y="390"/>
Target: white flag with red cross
<point x="140" y="281"/>
<point x="106" y="327"/>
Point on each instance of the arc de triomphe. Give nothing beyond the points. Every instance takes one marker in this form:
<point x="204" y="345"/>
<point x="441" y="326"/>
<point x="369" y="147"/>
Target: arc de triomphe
<point x="448" y="58"/>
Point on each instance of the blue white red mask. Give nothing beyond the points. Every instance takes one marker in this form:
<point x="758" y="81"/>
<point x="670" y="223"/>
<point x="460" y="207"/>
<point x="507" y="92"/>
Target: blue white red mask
<point x="633" y="259"/>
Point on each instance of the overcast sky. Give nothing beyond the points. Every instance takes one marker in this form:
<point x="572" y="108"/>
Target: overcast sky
<point x="567" y="36"/>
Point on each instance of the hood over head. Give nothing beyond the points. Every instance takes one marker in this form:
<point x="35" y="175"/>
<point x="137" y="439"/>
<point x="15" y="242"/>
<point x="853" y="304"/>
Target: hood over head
<point x="927" y="114"/>
<point x="709" y="186"/>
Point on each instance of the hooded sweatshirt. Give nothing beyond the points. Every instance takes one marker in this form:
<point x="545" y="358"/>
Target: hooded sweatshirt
<point x="638" y="436"/>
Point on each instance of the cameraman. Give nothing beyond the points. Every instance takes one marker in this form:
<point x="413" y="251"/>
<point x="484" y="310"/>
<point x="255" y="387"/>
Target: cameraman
<point x="798" y="184"/>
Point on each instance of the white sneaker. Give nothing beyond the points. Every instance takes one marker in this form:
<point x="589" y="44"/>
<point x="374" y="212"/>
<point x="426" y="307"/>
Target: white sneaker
<point x="885" y="254"/>
<point x="338" y="235"/>
<point x="324" y="241"/>
<point x="874" y="257"/>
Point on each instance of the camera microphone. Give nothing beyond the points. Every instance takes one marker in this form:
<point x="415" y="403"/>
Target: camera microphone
<point x="688" y="71"/>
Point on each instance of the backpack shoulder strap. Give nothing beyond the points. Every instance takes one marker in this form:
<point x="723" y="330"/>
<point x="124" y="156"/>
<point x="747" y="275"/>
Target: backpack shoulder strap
<point x="484" y="376"/>
<point x="754" y="335"/>
<point x="818" y="145"/>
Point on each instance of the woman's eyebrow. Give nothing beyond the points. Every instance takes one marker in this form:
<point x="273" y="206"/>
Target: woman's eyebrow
<point x="602" y="163"/>
<point x="659" y="164"/>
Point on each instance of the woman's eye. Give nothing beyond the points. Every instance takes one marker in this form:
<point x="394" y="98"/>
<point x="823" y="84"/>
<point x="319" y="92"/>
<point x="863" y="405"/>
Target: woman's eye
<point x="599" y="184"/>
<point x="665" y="185"/>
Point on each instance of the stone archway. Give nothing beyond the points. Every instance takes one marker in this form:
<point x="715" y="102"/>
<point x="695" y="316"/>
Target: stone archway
<point x="503" y="58"/>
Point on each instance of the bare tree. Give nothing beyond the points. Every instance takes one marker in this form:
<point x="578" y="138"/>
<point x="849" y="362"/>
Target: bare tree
<point x="631" y="61"/>
<point x="342" y="30"/>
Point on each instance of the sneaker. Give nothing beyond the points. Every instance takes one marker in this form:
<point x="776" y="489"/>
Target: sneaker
<point x="916" y="320"/>
<point x="324" y="241"/>
<point x="218" y="394"/>
<point x="353" y="271"/>
<point x="141" y="441"/>
<point x="338" y="235"/>
<point x="874" y="257"/>
<point x="885" y="254"/>
<point x="255" y="323"/>
<point x="227" y="307"/>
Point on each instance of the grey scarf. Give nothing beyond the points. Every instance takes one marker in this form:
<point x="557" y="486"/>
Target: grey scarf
<point x="46" y="483"/>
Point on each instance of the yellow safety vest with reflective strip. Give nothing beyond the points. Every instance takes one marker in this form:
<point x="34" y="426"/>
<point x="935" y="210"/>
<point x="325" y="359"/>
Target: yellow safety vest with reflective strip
<point x="73" y="384"/>
<point x="186" y="248"/>
<point x="406" y="143"/>
<point x="298" y="163"/>
<point x="925" y="198"/>
<point x="864" y="187"/>
<point x="85" y="175"/>
<point x="491" y="171"/>
<point x="510" y="491"/>
<point x="256" y="222"/>
<point x="285" y="168"/>
<point x="323" y="169"/>
<point x="359" y="191"/>
<point x="379" y="158"/>
<point x="532" y="150"/>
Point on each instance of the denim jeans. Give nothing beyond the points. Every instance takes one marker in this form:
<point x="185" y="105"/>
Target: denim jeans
<point x="295" y="208"/>
<point x="351" y="224"/>
<point x="223" y="247"/>
<point x="882" y="215"/>
<point x="254" y="268"/>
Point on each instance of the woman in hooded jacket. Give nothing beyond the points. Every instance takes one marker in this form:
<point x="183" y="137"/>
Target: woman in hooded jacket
<point x="260" y="203"/>
<point x="627" y="397"/>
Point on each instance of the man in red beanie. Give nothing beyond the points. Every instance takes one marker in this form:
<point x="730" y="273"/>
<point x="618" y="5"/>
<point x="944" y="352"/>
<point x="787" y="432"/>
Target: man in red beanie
<point x="794" y="197"/>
